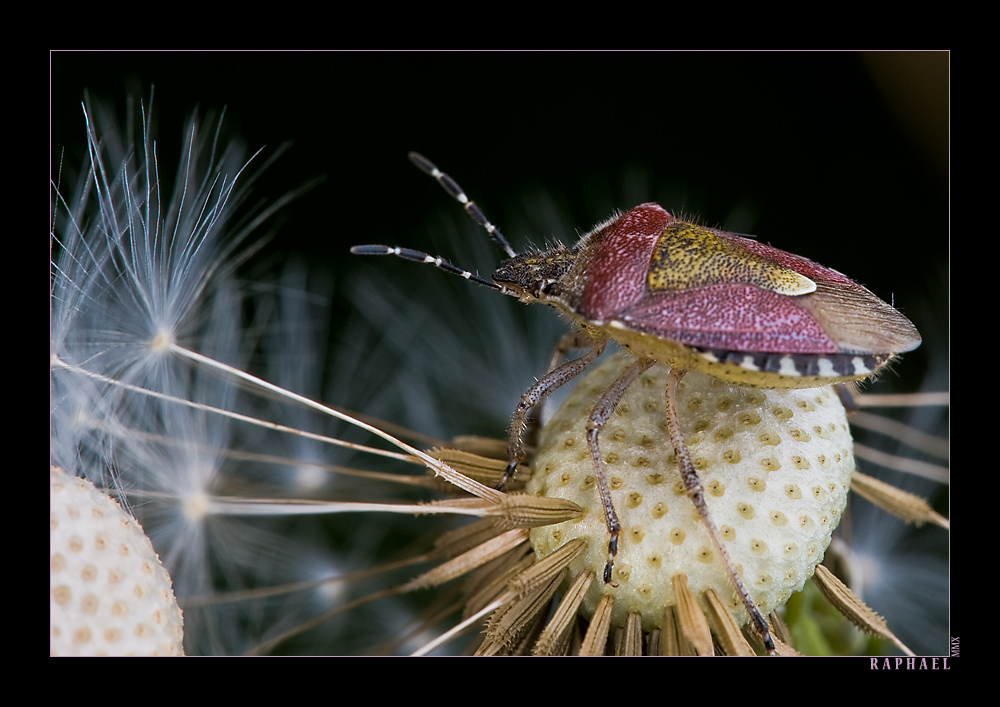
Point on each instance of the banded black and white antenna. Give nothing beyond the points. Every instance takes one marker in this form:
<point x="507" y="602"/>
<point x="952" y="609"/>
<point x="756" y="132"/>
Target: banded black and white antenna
<point x="418" y="256"/>
<point x="458" y="194"/>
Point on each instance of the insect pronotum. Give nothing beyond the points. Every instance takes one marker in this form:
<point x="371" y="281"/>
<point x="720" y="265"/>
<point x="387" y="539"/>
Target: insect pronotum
<point x="690" y="298"/>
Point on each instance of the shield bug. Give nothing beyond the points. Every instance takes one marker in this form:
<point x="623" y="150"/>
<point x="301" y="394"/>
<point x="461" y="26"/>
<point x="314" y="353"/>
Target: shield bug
<point x="690" y="298"/>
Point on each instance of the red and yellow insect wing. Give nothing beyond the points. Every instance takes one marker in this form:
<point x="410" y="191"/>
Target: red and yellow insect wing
<point x="734" y="317"/>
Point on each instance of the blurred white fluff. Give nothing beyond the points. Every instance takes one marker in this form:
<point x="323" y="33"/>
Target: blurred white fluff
<point x="132" y="271"/>
<point x="136" y="267"/>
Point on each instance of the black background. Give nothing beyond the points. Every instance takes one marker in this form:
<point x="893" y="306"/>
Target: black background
<point x="840" y="157"/>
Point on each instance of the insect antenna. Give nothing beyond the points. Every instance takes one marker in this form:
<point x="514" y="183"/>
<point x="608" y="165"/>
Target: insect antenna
<point x="418" y="256"/>
<point x="456" y="192"/>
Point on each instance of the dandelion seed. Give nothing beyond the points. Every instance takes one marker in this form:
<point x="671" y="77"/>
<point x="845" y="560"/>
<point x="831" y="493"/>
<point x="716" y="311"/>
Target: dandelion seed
<point x="137" y="271"/>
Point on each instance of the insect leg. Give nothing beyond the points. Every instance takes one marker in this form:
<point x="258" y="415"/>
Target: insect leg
<point x="577" y="339"/>
<point x="696" y="492"/>
<point x="598" y="417"/>
<point x="534" y="395"/>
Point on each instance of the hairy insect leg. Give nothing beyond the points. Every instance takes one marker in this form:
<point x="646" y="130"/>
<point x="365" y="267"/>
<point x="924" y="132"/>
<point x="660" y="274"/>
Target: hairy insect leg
<point x="535" y="394"/>
<point x="577" y="339"/>
<point x="696" y="492"/>
<point x="598" y="417"/>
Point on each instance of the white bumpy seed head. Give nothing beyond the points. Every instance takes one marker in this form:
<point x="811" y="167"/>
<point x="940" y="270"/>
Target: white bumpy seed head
<point x="776" y="466"/>
<point x="108" y="594"/>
